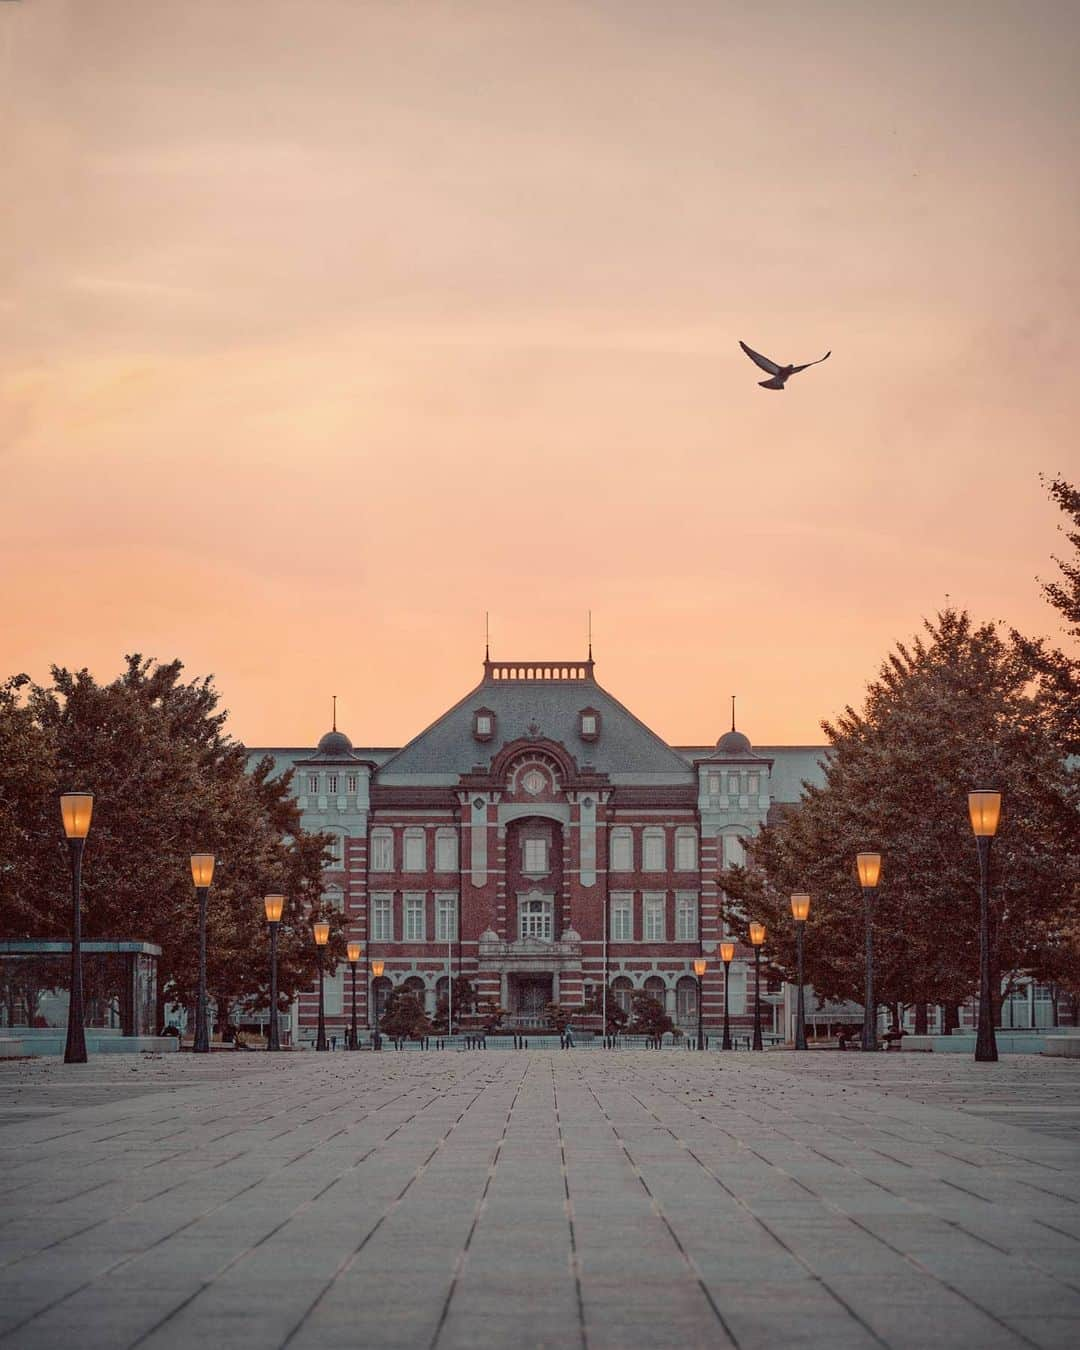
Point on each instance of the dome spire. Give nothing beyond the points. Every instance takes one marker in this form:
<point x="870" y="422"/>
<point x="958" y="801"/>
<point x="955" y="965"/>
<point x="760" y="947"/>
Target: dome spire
<point x="733" y="712"/>
<point x="334" y="723"/>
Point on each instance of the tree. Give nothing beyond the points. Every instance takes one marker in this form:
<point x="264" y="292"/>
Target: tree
<point x="491" y="1014"/>
<point x="404" y="1018"/>
<point x="167" y="781"/>
<point x="560" y="1016"/>
<point x="464" y="1003"/>
<point x="596" y="1003"/>
<point x="951" y="711"/>
<point x="649" y="1017"/>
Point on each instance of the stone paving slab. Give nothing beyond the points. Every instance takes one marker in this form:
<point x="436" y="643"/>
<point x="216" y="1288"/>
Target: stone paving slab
<point x="540" y="1199"/>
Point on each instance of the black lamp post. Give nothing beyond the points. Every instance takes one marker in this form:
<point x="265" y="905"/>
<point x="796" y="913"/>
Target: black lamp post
<point x="322" y="937"/>
<point x="700" y="966"/>
<point x="869" y="865"/>
<point x="377" y="968"/>
<point x="984" y="808"/>
<point x="354" y="950"/>
<point x="76" y="808"/>
<point x="727" y="953"/>
<point x="800" y="908"/>
<point x="202" y="874"/>
<point x="274" y="906"/>
<point x="757" y="939"/>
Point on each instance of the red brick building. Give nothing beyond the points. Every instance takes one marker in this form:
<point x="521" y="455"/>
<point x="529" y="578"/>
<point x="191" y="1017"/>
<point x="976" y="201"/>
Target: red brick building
<point x="533" y="836"/>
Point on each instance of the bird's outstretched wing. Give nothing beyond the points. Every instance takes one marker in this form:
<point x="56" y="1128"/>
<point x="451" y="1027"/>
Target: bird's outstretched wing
<point x="759" y="360"/>
<point x="796" y="369"/>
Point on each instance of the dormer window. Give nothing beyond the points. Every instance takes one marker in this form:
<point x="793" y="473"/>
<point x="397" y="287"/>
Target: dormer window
<point x="483" y="724"/>
<point x="588" y="724"/>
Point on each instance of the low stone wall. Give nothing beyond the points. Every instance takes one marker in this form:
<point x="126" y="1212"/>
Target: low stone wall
<point x="1065" y="1044"/>
<point x="41" y="1042"/>
<point x="1008" y="1043"/>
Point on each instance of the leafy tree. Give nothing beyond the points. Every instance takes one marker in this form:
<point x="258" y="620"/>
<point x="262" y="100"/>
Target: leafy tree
<point x="491" y="1013"/>
<point x="951" y="711"/>
<point x="167" y="781"/>
<point x="649" y="1017"/>
<point x="595" y="1005"/>
<point x="560" y="1016"/>
<point x="404" y="1018"/>
<point x="464" y="1004"/>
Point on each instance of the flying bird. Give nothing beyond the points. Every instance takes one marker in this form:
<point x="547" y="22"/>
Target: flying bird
<point x="780" y="374"/>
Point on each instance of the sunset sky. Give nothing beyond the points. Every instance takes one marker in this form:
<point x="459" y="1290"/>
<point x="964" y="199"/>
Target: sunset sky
<point x="327" y="325"/>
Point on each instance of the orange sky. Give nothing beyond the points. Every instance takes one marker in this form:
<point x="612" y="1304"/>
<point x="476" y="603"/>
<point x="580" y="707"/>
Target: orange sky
<point x="328" y="324"/>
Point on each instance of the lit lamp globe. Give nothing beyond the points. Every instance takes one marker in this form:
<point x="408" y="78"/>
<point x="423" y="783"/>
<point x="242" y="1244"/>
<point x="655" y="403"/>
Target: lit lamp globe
<point x="377" y="968"/>
<point x="727" y="952"/>
<point x="757" y="934"/>
<point x="800" y="908"/>
<point x="700" y="966"/>
<point x="984" y="808"/>
<point x="76" y="808"/>
<point x="202" y="870"/>
<point x="321" y="931"/>
<point x="354" y="949"/>
<point x="869" y="865"/>
<point x="275" y="905"/>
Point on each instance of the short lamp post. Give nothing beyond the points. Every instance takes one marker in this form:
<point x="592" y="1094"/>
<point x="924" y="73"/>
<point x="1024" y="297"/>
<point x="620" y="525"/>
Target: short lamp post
<point x="274" y="905"/>
<point x="377" y="968"/>
<point x="984" y="808"/>
<point x="76" y="808"/>
<point x="727" y="955"/>
<point x="202" y="874"/>
<point x="700" y="966"/>
<point x="321" y="930"/>
<point x="353" y="950"/>
<point x="757" y="941"/>
<point x="800" y="908"/>
<point x="869" y="865"/>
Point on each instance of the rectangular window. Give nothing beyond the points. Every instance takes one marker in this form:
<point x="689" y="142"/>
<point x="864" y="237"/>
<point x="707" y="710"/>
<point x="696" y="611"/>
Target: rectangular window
<point x="414" y="917"/>
<point x="350" y="783"/>
<point x="337" y="852"/>
<point x="313" y="784"/>
<point x="686" y="921"/>
<point x="331" y="784"/>
<point x="445" y="918"/>
<point x="653" y="918"/>
<point x="534" y="919"/>
<point x="382" y="918"/>
<point x="446" y="859"/>
<point x="653" y="857"/>
<point x="536" y="856"/>
<point x="483" y="725"/>
<point x="716" y="785"/>
<point x="733" y="784"/>
<point x="622" y="918"/>
<point x="588" y="725"/>
<point x="737" y="989"/>
<point x="752" y="784"/>
<point x="382" y="851"/>
<point x="686" y="851"/>
<point x="415" y="851"/>
<point x="622" y="851"/>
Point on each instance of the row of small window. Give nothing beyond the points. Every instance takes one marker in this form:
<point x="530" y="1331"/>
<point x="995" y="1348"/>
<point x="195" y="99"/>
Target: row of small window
<point x="333" y="784"/>
<point x="653" y="849"/>
<point x="652" y="924"/>
<point x="412" y="918"/>
<point x="751" y="789"/>
<point x="622" y="991"/>
<point x="414" y="850"/>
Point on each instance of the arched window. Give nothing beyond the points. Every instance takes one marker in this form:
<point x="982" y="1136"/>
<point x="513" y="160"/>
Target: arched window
<point x="622" y="991"/>
<point x="657" y="989"/>
<point x="380" y="993"/>
<point x="414" y="985"/>
<point x="534" y="918"/>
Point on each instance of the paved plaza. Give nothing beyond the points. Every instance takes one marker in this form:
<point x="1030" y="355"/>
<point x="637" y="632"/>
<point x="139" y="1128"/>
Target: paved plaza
<point x="578" y="1199"/>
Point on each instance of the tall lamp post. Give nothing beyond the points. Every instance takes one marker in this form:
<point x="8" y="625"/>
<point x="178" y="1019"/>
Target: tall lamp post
<point x="757" y="939"/>
<point x="76" y="808"/>
<point x="202" y="874"/>
<point x="321" y="930"/>
<point x="353" y="950"/>
<point x="869" y="865"/>
<point x="274" y="905"/>
<point x="727" y="953"/>
<point x="377" y="968"/>
<point x="984" y="808"/>
<point x="800" y="908"/>
<point x="700" y="966"/>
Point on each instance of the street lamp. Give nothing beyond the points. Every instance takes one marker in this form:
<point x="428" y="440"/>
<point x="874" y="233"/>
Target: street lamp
<point x="202" y="874"/>
<point x="353" y="950"/>
<point x="984" y="808"/>
<point x="377" y="968"/>
<point x="869" y="865"/>
<point x="800" y="908"/>
<point x="321" y="929"/>
<point x="757" y="939"/>
<point x="700" y="966"/>
<point x="76" y="808"/>
<point x="727" y="952"/>
<point x="274" y="905"/>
